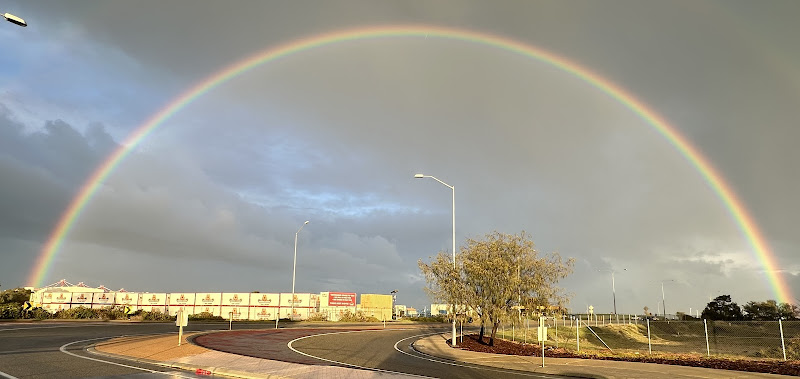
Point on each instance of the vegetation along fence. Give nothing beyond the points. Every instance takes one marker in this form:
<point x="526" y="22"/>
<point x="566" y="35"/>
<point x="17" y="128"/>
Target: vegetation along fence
<point x="733" y="339"/>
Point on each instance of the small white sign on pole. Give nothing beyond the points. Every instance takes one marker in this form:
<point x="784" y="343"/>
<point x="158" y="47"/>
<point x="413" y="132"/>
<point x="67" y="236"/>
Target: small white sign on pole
<point x="181" y="320"/>
<point x="542" y="333"/>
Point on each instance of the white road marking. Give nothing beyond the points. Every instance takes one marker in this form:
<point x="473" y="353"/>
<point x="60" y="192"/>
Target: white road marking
<point x="7" y="376"/>
<point x="52" y="327"/>
<point x="480" y="367"/>
<point x="63" y="349"/>
<point x="348" y="364"/>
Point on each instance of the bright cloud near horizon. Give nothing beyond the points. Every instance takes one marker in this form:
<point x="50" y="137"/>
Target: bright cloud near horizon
<point x="210" y="201"/>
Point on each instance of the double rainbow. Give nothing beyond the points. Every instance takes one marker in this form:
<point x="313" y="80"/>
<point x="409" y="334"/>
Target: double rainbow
<point x="742" y="218"/>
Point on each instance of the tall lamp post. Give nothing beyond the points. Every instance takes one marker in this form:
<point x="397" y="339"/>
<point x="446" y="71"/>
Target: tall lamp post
<point x="421" y="176"/>
<point x="613" y="287"/>
<point x="294" y="269"/>
<point x="663" y="302"/>
<point x="14" y="19"/>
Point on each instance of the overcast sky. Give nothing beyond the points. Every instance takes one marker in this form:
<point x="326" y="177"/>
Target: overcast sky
<point x="211" y="200"/>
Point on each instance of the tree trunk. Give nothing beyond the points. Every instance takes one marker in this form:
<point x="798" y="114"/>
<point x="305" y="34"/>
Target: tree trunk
<point x="480" y="336"/>
<point x="494" y="332"/>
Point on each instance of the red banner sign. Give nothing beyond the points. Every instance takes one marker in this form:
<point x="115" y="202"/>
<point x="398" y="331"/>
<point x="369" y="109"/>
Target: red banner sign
<point x="341" y="299"/>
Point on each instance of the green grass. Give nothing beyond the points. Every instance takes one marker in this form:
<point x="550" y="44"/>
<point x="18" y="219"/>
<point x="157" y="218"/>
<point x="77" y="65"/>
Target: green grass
<point x="730" y="339"/>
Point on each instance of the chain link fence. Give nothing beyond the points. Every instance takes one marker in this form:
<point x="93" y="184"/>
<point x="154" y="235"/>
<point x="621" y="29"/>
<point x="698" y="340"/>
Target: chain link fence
<point x="732" y="339"/>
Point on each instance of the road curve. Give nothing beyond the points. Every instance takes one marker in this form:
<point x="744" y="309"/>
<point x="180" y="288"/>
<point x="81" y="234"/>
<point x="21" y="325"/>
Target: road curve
<point x="57" y="349"/>
<point x="388" y="351"/>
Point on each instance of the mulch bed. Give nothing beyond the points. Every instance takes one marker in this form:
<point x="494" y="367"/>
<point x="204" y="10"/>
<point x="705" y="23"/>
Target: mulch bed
<point x="514" y="348"/>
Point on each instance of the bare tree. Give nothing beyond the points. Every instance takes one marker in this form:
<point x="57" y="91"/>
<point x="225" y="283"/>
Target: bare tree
<point x="496" y="276"/>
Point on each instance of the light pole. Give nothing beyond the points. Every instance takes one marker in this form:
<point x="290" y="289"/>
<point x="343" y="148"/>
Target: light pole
<point x="15" y="20"/>
<point x="294" y="269"/>
<point x="663" y="303"/>
<point x="613" y="287"/>
<point x="394" y="299"/>
<point x="421" y="176"/>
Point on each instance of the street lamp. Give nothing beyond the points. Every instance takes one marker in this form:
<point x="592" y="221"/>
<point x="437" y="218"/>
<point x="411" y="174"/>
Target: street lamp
<point x="421" y="176"/>
<point x="294" y="269"/>
<point x="663" y="303"/>
<point x="613" y="287"/>
<point x="14" y="19"/>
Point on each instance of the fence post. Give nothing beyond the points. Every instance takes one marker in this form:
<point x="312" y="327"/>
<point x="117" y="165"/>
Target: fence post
<point x="705" y="326"/>
<point x="513" y="329"/>
<point x="783" y="346"/>
<point x="526" y="330"/>
<point x="649" y="347"/>
<point x="556" y="324"/>
<point x="578" y="333"/>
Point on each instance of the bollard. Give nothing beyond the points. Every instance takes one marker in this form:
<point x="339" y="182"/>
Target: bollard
<point x="649" y="347"/>
<point x="708" y="348"/>
<point x="783" y="346"/>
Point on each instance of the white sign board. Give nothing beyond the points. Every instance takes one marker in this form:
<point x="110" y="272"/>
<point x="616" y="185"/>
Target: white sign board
<point x="542" y="331"/>
<point x="239" y="313"/>
<point x="208" y="299"/>
<point x="265" y="299"/>
<point x="237" y="299"/>
<point x="82" y="298"/>
<point x="300" y="299"/>
<point x="103" y="299"/>
<point x="126" y="298"/>
<point x="263" y="313"/>
<point x="182" y="318"/>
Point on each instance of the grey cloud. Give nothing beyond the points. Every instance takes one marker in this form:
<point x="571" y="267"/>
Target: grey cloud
<point x="335" y="134"/>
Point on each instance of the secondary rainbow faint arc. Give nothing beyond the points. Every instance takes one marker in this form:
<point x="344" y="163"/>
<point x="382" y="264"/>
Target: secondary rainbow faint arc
<point x="742" y="218"/>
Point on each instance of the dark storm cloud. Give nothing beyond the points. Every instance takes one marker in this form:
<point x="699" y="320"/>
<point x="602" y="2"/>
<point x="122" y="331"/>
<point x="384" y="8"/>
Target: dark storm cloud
<point x="335" y="135"/>
<point x="41" y="171"/>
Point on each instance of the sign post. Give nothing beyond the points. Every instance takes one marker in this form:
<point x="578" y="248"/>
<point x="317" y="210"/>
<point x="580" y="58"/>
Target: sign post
<point x="542" y="331"/>
<point x="230" y="326"/>
<point x="181" y="321"/>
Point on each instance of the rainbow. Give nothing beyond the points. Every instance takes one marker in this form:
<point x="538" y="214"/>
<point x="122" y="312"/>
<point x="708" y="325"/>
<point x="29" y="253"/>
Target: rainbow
<point x="742" y="218"/>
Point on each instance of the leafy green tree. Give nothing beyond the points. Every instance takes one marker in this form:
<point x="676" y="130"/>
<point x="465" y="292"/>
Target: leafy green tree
<point x="722" y="308"/>
<point x="15" y="296"/>
<point x="495" y="277"/>
<point x="769" y="310"/>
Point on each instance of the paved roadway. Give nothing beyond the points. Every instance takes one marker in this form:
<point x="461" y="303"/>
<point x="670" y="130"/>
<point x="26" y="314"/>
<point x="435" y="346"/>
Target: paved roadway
<point x="57" y="350"/>
<point x="392" y="350"/>
<point x="54" y="349"/>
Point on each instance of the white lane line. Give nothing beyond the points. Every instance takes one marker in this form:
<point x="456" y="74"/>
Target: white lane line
<point x="63" y="349"/>
<point x="52" y="327"/>
<point x="476" y="366"/>
<point x="7" y="376"/>
<point x="348" y="364"/>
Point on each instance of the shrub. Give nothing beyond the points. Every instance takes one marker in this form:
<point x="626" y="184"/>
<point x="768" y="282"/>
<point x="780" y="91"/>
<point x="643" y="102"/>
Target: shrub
<point x="432" y="318"/>
<point x="348" y="316"/>
<point x="205" y="316"/>
<point x="10" y="311"/>
<point x="318" y="317"/>
<point x="78" y="313"/>
<point x="154" y="316"/>
<point x="112" y="313"/>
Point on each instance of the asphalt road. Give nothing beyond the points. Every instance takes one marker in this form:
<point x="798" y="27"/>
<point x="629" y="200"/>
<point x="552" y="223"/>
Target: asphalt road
<point x="58" y="350"/>
<point x="54" y="350"/>
<point x="391" y="350"/>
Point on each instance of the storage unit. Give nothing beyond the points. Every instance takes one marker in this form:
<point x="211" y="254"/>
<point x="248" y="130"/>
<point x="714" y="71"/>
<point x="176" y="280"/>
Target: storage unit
<point x="238" y="313"/>
<point x="208" y="303"/>
<point x="263" y="313"/>
<point x="180" y="300"/>
<point x="103" y="300"/>
<point x="152" y="302"/>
